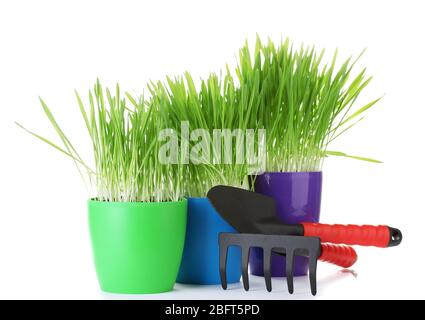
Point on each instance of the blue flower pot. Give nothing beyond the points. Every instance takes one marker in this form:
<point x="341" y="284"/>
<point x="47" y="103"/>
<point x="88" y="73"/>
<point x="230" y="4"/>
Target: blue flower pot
<point x="200" y="263"/>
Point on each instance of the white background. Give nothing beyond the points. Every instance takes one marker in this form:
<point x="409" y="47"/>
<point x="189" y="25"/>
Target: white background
<point x="48" y="48"/>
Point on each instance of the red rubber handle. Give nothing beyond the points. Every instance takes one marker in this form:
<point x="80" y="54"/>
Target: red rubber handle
<point x="338" y="254"/>
<point x="378" y="236"/>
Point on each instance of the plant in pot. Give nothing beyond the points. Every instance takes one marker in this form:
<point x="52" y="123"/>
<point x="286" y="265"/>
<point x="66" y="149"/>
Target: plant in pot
<point x="213" y="107"/>
<point x="137" y="213"/>
<point x="304" y="106"/>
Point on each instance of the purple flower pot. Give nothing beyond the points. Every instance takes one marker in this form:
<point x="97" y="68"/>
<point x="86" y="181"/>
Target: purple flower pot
<point x="297" y="196"/>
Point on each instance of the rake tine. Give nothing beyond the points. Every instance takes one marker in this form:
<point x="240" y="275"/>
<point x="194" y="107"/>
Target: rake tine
<point x="223" y="261"/>
<point x="281" y="244"/>
<point x="289" y="270"/>
<point x="312" y="272"/>
<point x="267" y="268"/>
<point x="245" y="259"/>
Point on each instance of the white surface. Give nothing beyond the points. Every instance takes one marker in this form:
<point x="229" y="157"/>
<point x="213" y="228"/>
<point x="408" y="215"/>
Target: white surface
<point x="48" y="48"/>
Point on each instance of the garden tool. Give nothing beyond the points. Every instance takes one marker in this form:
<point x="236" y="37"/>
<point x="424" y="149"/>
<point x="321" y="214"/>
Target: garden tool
<point x="253" y="215"/>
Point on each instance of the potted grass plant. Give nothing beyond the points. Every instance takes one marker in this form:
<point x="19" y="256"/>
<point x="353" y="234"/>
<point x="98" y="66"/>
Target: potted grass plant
<point x="214" y="106"/>
<point x="304" y="105"/>
<point x="137" y="212"/>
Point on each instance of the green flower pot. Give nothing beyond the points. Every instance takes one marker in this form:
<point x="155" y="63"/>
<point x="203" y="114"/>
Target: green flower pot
<point x="137" y="246"/>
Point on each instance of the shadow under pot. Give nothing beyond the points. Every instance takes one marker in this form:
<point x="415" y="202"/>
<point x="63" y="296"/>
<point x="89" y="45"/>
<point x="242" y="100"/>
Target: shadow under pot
<point x="200" y="263"/>
<point x="297" y="196"/>
<point x="137" y="246"/>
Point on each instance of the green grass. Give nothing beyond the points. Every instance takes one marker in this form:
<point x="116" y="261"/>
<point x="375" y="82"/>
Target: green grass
<point x="123" y="131"/>
<point x="216" y="104"/>
<point x="304" y="105"/>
